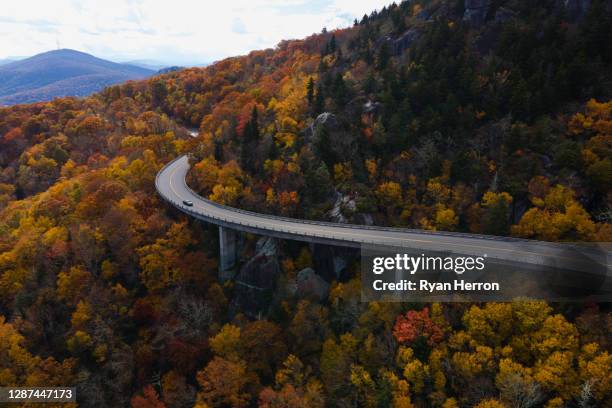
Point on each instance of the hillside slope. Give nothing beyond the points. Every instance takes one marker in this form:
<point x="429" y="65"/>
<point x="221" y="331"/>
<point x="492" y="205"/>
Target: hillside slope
<point x="438" y="115"/>
<point x="61" y="73"/>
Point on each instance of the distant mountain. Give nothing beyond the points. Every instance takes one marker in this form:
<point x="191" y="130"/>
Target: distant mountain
<point x="165" y="67"/>
<point x="148" y="64"/>
<point x="9" y="59"/>
<point x="61" y="73"/>
<point x="170" y="69"/>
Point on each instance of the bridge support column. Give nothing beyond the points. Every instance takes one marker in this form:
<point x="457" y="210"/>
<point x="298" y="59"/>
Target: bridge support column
<point x="228" y="252"/>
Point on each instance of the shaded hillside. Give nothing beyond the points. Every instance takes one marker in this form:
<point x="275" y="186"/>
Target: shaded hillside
<point x="61" y="73"/>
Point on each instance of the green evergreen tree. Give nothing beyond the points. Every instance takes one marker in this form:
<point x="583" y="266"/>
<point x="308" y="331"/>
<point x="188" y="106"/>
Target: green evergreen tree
<point x="250" y="138"/>
<point x="318" y="183"/>
<point x="369" y="85"/>
<point x="310" y="90"/>
<point x="497" y="219"/>
<point x="254" y="125"/>
<point x="339" y="91"/>
<point x="382" y="60"/>
<point x="319" y="102"/>
<point x="322" y="143"/>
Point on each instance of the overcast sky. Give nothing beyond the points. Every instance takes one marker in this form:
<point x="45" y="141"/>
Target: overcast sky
<point x="173" y="31"/>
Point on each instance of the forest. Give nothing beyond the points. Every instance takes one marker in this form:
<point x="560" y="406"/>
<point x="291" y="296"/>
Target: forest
<point x="428" y="114"/>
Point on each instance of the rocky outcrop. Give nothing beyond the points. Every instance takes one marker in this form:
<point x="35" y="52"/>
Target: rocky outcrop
<point x="266" y="246"/>
<point x="335" y="214"/>
<point x="311" y="285"/>
<point x="256" y="280"/>
<point x="344" y="210"/>
<point x="404" y="41"/>
<point x="323" y="260"/>
<point x="326" y="119"/>
<point x="476" y="11"/>
<point x="371" y="107"/>
<point x="340" y="265"/>
<point x="342" y="205"/>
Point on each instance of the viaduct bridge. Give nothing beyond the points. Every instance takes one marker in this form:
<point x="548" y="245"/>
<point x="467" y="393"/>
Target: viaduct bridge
<point x="171" y="185"/>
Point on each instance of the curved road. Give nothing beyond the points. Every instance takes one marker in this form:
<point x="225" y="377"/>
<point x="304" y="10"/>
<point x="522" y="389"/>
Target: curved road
<point x="171" y="185"/>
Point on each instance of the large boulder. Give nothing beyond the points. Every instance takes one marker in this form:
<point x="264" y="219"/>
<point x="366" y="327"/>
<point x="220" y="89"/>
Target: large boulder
<point x="266" y="246"/>
<point x="326" y="119"/>
<point x="311" y="285"/>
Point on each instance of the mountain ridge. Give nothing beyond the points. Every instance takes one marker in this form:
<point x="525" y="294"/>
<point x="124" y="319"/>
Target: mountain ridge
<point x="61" y="72"/>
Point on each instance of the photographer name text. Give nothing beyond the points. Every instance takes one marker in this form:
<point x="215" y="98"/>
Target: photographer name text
<point x="423" y="285"/>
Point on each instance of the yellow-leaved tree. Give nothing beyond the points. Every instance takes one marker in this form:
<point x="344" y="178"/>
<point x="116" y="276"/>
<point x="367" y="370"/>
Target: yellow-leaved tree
<point x="557" y="215"/>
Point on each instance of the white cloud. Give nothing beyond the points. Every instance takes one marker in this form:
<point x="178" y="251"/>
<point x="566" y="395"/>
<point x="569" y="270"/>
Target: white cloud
<point x="177" y="31"/>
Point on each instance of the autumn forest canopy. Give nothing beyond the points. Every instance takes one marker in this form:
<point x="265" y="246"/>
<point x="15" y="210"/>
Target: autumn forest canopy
<point x="490" y="117"/>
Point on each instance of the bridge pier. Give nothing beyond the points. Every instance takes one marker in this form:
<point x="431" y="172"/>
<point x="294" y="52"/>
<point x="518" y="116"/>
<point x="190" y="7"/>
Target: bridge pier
<point x="228" y="253"/>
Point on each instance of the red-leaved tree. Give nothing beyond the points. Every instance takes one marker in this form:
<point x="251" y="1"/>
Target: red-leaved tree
<point x="415" y="324"/>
